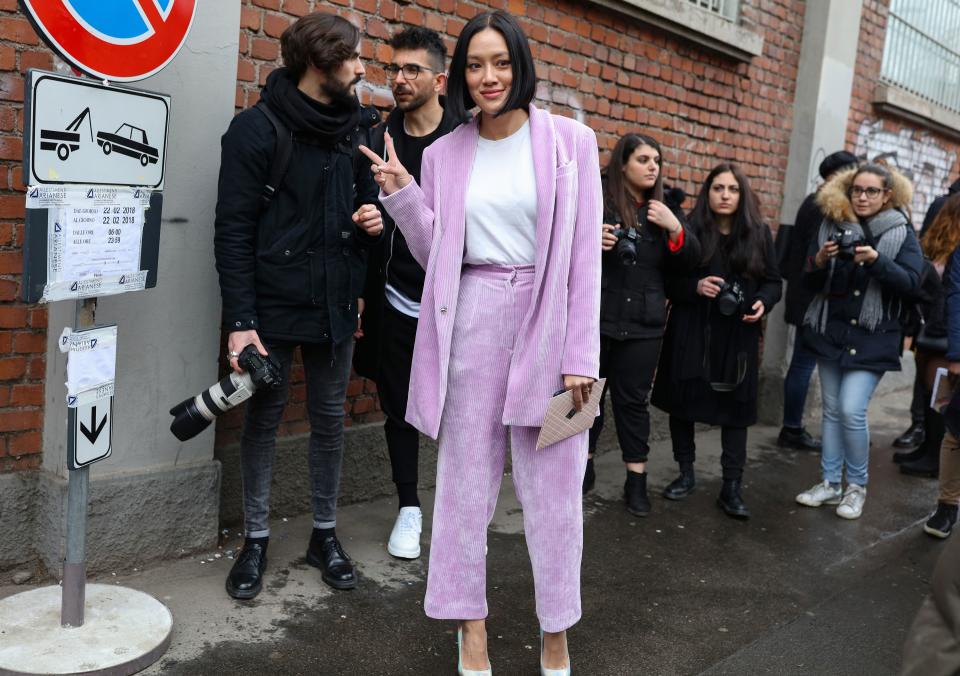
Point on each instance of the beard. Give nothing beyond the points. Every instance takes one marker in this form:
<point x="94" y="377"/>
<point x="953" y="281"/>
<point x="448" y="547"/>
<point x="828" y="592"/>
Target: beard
<point x="339" y="93"/>
<point x="414" y="102"/>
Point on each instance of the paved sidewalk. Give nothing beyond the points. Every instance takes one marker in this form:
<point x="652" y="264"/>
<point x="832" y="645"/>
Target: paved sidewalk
<point x="685" y="591"/>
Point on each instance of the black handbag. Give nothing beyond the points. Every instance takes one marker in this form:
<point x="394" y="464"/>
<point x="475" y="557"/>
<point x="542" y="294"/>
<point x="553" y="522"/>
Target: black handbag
<point x="929" y="343"/>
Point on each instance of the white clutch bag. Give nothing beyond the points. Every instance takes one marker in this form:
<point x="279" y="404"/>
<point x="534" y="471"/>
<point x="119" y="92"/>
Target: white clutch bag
<point x="563" y="420"/>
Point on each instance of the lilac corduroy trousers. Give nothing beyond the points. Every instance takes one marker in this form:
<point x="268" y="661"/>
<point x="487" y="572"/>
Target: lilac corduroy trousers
<point x="492" y="303"/>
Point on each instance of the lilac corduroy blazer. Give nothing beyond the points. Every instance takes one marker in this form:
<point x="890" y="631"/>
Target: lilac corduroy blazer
<point x="560" y="334"/>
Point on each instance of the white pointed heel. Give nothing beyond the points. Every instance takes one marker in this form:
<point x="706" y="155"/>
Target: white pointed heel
<point x="565" y="671"/>
<point x="468" y="672"/>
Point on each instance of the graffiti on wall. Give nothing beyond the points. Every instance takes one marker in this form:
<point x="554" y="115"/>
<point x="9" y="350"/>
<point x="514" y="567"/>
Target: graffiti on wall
<point x="917" y="155"/>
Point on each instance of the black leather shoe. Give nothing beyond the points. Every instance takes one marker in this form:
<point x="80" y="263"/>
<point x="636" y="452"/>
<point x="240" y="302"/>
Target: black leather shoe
<point x="589" y="477"/>
<point x="927" y="466"/>
<point x="901" y="457"/>
<point x="336" y="567"/>
<point x="797" y="438"/>
<point x="246" y="577"/>
<point x="942" y="522"/>
<point x="680" y="487"/>
<point x="635" y="494"/>
<point x="912" y="438"/>
<point x="730" y="500"/>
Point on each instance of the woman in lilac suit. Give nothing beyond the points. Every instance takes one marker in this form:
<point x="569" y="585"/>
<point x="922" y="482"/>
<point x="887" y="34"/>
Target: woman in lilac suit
<point x="507" y="224"/>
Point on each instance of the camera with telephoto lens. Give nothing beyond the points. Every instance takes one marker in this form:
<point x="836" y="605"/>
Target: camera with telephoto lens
<point x="729" y="299"/>
<point x="847" y="243"/>
<point x="192" y="416"/>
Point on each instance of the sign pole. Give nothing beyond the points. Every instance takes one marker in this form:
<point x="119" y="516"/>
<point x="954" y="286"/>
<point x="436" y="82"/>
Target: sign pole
<point x="78" y="485"/>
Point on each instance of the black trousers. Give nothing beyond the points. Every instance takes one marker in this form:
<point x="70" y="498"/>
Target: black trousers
<point x="733" y="443"/>
<point x="629" y="367"/>
<point x="393" y="382"/>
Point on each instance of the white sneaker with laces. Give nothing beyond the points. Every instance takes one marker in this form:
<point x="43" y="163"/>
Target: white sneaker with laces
<point x="851" y="507"/>
<point x="821" y="494"/>
<point x="405" y="538"/>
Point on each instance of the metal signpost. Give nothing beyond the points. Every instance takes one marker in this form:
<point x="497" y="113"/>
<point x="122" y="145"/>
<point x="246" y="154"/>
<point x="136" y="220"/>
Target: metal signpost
<point x="94" y="162"/>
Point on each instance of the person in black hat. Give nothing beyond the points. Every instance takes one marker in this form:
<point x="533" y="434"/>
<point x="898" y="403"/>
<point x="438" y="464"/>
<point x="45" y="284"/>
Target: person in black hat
<point x="803" y="363"/>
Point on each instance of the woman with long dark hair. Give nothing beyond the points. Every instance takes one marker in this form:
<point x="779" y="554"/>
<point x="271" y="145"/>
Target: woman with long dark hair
<point x="643" y="240"/>
<point x="864" y="265"/>
<point x="709" y="364"/>
<point x="506" y="221"/>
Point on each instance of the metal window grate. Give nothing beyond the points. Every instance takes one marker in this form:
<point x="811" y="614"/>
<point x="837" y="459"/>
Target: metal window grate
<point x="724" y="8"/>
<point x="922" y="52"/>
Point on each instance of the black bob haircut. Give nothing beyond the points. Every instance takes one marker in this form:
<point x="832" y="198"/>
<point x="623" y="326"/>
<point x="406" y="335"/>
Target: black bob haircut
<point x="524" y="85"/>
<point x="417" y="37"/>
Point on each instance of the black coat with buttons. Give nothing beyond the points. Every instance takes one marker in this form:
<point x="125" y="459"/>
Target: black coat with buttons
<point x="294" y="269"/>
<point x="633" y="302"/>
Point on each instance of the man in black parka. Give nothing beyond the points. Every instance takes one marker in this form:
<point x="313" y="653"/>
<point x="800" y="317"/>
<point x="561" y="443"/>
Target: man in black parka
<point x="291" y="265"/>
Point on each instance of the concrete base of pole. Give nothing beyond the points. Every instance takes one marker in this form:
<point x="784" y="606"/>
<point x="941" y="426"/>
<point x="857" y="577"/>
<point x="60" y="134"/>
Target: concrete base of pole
<point x="124" y="631"/>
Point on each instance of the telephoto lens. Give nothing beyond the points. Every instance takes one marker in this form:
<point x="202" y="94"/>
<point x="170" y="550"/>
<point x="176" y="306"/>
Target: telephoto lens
<point x="192" y="416"/>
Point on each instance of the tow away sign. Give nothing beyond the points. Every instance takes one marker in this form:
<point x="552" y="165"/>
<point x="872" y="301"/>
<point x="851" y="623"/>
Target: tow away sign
<point x="80" y="131"/>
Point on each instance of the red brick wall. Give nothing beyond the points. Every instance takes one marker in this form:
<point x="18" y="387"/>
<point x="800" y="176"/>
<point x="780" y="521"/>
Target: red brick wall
<point x="930" y="159"/>
<point x="22" y="327"/>
<point x="610" y="71"/>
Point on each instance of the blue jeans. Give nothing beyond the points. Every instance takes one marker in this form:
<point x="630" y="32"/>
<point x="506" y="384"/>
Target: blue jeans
<point x="846" y="439"/>
<point x="326" y="369"/>
<point x="797" y="383"/>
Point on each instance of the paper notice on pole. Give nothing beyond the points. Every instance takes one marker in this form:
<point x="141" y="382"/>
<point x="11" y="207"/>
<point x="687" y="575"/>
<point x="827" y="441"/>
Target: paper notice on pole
<point x="91" y="363"/>
<point x="94" y="239"/>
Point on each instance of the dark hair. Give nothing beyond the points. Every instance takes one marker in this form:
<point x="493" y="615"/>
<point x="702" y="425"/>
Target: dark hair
<point x="876" y="169"/>
<point x="744" y="249"/>
<point x="319" y="39"/>
<point x="524" y="85"/>
<point x="416" y="37"/>
<point x="615" y="186"/>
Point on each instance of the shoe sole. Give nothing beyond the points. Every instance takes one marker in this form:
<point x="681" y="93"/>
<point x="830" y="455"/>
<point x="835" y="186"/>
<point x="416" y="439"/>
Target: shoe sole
<point x="243" y="595"/>
<point x="921" y="475"/>
<point x="936" y="533"/>
<point x="401" y="554"/>
<point x="741" y="516"/>
<point x="636" y="512"/>
<point x="831" y="502"/>
<point x="851" y="517"/>
<point x="677" y="497"/>
<point x="798" y="447"/>
<point x="336" y="584"/>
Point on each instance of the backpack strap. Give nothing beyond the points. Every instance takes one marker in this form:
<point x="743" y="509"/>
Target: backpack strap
<point x="282" y="152"/>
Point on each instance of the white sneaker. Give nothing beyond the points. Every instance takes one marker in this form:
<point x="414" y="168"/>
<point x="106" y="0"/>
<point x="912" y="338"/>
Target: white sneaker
<point x="821" y="494"/>
<point x="851" y="507"/>
<point x="405" y="539"/>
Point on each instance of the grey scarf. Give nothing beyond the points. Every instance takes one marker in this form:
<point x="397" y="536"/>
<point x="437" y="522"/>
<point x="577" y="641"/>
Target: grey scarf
<point x="889" y="230"/>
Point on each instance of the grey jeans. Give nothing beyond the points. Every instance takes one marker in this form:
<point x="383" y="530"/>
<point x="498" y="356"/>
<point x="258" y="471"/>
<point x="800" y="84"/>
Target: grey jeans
<point x="326" y="370"/>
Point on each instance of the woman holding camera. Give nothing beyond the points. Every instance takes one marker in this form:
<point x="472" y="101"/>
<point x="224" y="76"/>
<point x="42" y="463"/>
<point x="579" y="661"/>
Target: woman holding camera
<point x="865" y="266"/>
<point x="709" y="364"/>
<point x="506" y="221"/>
<point x="643" y="238"/>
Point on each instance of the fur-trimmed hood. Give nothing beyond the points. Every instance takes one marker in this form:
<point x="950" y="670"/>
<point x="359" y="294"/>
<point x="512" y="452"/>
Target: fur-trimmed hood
<point x="835" y="205"/>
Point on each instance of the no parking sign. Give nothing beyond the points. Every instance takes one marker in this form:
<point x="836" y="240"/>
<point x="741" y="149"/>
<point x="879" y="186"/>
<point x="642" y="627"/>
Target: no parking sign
<point x="120" y="40"/>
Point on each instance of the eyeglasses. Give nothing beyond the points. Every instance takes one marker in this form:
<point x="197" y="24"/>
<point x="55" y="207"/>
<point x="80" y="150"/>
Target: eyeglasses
<point x="872" y="193"/>
<point x="410" y="71"/>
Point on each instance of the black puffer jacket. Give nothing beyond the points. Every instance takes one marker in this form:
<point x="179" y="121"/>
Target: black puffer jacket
<point x="806" y="225"/>
<point x="294" y="270"/>
<point x="633" y="302"/>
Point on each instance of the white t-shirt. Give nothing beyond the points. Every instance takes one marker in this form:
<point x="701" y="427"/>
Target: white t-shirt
<point x="501" y="205"/>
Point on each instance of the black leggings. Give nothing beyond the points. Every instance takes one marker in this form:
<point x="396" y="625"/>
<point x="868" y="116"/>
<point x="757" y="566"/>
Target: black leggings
<point x="629" y="366"/>
<point x="733" y="442"/>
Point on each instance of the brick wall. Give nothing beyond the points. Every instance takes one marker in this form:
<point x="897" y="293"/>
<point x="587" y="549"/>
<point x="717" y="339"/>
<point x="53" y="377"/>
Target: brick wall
<point x="22" y="327"/>
<point x="931" y="160"/>
<point x="609" y="71"/>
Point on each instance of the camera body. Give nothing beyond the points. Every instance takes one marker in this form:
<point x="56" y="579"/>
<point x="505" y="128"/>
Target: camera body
<point x="847" y="242"/>
<point x="626" y="246"/>
<point x="192" y="416"/>
<point x="730" y="299"/>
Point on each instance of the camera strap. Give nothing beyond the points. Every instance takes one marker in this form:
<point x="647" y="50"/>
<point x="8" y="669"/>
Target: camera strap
<point x="720" y="386"/>
<point x="282" y="152"/>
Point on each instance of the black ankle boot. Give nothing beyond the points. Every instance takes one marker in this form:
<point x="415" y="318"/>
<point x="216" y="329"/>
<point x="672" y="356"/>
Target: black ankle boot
<point x="927" y="466"/>
<point x="246" y="577"/>
<point x="589" y="477"/>
<point x="901" y="457"/>
<point x="912" y="438"/>
<point x="730" y="500"/>
<point x="942" y="522"/>
<point x="682" y="486"/>
<point x="635" y="494"/>
<point x="326" y="553"/>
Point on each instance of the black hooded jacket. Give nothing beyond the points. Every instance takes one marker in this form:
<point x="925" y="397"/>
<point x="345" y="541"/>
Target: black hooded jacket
<point x="293" y="269"/>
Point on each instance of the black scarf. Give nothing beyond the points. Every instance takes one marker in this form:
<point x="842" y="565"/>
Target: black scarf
<point x="326" y="124"/>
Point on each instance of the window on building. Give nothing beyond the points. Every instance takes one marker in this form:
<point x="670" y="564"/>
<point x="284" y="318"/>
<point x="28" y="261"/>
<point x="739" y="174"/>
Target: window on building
<point x="922" y="53"/>
<point x="725" y="8"/>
